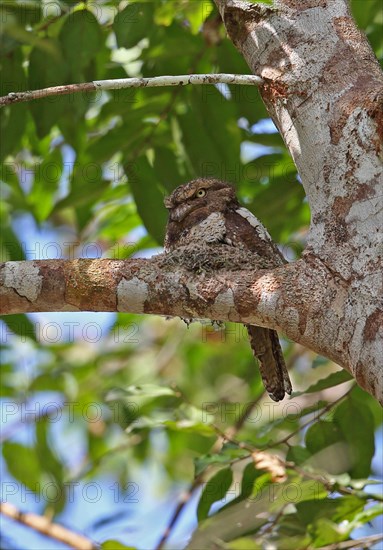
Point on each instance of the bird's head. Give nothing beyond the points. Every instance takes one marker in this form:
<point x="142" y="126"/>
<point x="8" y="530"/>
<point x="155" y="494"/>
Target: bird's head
<point x="202" y="194"/>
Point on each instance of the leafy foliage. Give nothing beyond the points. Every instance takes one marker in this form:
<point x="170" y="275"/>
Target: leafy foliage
<point x="85" y="175"/>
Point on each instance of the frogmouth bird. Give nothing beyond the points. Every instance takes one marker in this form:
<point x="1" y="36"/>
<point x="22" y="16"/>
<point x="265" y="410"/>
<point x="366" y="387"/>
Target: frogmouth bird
<point x="206" y="213"/>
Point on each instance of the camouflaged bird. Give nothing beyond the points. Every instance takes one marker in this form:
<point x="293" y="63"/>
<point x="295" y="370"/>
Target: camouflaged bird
<point x="206" y="212"/>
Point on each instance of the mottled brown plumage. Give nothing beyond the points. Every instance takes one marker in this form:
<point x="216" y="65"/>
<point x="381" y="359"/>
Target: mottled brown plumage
<point x="206" y="212"/>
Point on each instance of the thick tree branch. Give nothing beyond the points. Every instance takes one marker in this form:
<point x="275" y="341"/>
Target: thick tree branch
<point x="303" y="299"/>
<point x="119" y="83"/>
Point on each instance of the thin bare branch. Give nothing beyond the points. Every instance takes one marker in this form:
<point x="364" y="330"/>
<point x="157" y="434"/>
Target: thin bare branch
<point x="364" y="542"/>
<point x="119" y="83"/>
<point x="315" y="418"/>
<point x="44" y="526"/>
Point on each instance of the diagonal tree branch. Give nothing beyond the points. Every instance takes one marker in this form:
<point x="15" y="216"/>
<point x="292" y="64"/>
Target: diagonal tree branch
<point x="46" y="527"/>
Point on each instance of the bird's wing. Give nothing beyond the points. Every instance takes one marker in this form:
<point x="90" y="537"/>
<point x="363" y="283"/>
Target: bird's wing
<point x="245" y="230"/>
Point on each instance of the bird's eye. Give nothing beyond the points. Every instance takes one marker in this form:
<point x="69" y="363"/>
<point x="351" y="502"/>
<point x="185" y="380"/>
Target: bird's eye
<point x="201" y="193"/>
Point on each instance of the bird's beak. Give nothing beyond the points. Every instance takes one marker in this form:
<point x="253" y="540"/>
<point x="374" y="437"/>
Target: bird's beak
<point x="178" y="213"/>
<point x="167" y="202"/>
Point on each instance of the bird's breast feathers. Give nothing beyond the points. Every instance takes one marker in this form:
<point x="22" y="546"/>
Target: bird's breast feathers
<point x="215" y="228"/>
<point x="210" y="230"/>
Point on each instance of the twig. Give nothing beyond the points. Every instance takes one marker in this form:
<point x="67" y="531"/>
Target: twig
<point x="232" y="431"/>
<point x="364" y="542"/>
<point x="198" y="481"/>
<point x="133" y="440"/>
<point x="118" y="83"/>
<point x="53" y="530"/>
<point x="326" y="409"/>
<point x="183" y="500"/>
<point x="270" y="462"/>
<point x="269" y="527"/>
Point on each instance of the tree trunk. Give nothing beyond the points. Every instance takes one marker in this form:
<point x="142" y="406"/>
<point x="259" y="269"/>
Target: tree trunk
<point x="323" y="89"/>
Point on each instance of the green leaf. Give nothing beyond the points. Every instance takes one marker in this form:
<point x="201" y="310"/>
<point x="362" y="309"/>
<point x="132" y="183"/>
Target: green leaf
<point x="336" y="510"/>
<point x="218" y="116"/>
<point x="327" y="532"/>
<point x="295" y="492"/>
<point x="366" y="516"/>
<point x="123" y="412"/>
<point x="290" y="421"/>
<point x="12" y="125"/>
<point x="319" y="361"/>
<point x="270" y="140"/>
<point x="72" y="122"/>
<point x="367" y="401"/>
<point x="250" y="475"/>
<point x="253" y="483"/>
<point x="215" y="489"/>
<point x="115" y="545"/>
<point x="17" y="457"/>
<point x="197" y="14"/>
<point x="47" y="67"/>
<point x="211" y="117"/>
<point x="272" y="192"/>
<point x="20" y="325"/>
<point x="14" y="117"/>
<point x="332" y="380"/>
<point x="356" y="424"/>
<point x="46" y="382"/>
<point x="85" y="190"/>
<point x="81" y="39"/>
<point x="46" y="179"/>
<point x="297" y="454"/>
<point x="149" y="199"/>
<point x="235" y="521"/>
<point x="150" y="390"/>
<point x="322" y="434"/>
<point x="50" y="464"/>
<point x="104" y="147"/>
<point x="11" y="248"/>
<point x="29" y="13"/>
<point x="189" y="426"/>
<point x="16" y="199"/>
<point x="132" y="24"/>
<point x="331" y="452"/>
<point x="135" y="402"/>
<point x="347" y="507"/>
<point x="362" y="483"/>
<point x="164" y="163"/>
<point x="244" y="544"/>
<point x="364" y="12"/>
<point x="291" y="533"/>
<point x="201" y="463"/>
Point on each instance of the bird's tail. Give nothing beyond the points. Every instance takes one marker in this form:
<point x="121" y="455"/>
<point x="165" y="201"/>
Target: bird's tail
<point x="267" y="349"/>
